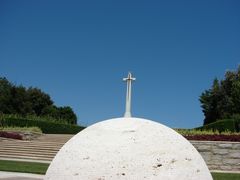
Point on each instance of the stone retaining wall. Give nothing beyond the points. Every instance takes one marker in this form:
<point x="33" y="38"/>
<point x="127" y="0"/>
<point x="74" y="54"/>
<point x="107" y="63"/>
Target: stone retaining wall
<point x="219" y="155"/>
<point x="29" y="136"/>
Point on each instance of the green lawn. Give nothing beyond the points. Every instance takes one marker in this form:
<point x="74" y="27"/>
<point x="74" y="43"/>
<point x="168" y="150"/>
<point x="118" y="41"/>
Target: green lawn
<point x="41" y="168"/>
<point x="28" y="167"/>
<point x="225" y="176"/>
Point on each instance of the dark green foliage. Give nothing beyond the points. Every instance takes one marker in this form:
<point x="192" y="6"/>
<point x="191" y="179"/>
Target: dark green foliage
<point x="48" y="127"/>
<point x="5" y="96"/>
<point x="222" y="100"/>
<point x="31" y="101"/>
<point x="231" y="125"/>
<point x="65" y="113"/>
<point x="39" y="100"/>
<point x="19" y="101"/>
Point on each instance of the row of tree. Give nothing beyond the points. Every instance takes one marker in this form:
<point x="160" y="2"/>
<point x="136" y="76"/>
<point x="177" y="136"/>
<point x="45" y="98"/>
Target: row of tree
<point x="222" y="100"/>
<point x="31" y="101"/>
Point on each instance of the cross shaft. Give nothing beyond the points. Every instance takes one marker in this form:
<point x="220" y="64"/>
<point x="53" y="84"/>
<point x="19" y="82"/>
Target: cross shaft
<point x="129" y="80"/>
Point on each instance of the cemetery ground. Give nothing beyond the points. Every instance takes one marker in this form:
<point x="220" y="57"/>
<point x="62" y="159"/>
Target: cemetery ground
<point x="41" y="168"/>
<point x="34" y="156"/>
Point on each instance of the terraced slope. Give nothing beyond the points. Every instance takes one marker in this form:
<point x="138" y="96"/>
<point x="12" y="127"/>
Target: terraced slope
<point x="42" y="149"/>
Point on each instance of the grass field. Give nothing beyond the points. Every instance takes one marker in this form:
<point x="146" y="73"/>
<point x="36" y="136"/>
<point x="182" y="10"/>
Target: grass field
<point x="225" y="176"/>
<point x="41" y="168"/>
<point x="27" y="167"/>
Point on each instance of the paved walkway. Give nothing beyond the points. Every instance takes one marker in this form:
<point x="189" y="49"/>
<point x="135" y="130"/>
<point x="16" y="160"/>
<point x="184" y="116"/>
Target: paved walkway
<point x="19" y="176"/>
<point x="220" y="171"/>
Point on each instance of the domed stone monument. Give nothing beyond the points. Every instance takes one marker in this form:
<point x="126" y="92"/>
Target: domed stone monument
<point x="130" y="149"/>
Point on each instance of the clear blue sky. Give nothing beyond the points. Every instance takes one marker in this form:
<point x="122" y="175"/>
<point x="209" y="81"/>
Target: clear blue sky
<point x="79" y="51"/>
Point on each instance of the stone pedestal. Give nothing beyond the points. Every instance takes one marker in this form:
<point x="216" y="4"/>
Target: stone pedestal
<point x="129" y="149"/>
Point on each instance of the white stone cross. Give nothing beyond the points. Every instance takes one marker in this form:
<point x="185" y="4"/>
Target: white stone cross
<point x="129" y="80"/>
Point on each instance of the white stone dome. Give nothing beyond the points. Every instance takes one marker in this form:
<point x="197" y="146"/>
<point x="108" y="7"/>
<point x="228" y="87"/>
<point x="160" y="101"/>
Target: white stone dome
<point x="128" y="149"/>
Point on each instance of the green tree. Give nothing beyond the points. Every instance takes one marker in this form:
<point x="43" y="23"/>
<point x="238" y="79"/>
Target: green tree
<point x="51" y="111"/>
<point x="39" y="100"/>
<point x="67" y="114"/>
<point x="20" y="101"/>
<point x="222" y="100"/>
<point x="61" y="113"/>
<point x="31" y="101"/>
<point x="5" y="96"/>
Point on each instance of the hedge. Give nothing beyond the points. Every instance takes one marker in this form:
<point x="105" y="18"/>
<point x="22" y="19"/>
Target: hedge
<point x="46" y="126"/>
<point x="231" y="125"/>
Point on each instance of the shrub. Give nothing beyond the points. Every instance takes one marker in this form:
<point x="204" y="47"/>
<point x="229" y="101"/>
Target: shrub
<point x="34" y="117"/>
<point x="22" y="129"/>
<point x="231" y="125"/>
<point x="47" y="127"/>
<point x="11" y="135"/>
<point x="194" y="132"/>
<point x="220" y="137"/>
<point x="209" y="135"/>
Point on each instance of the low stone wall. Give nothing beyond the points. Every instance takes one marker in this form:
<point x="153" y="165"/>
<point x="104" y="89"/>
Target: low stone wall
<point x="219" y="155"/>
<point x="29" y="136"/>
